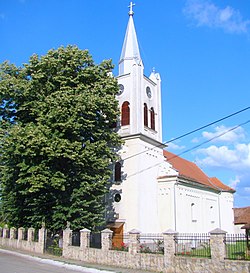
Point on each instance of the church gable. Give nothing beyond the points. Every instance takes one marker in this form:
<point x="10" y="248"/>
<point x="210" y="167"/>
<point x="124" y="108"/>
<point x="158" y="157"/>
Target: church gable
<point x="190" y="171"/>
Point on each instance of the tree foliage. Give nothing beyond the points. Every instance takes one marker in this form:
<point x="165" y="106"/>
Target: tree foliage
<point x="57" y="140"/>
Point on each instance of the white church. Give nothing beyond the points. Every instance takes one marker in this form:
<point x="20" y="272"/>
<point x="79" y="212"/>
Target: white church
<point x="154" y="190"/>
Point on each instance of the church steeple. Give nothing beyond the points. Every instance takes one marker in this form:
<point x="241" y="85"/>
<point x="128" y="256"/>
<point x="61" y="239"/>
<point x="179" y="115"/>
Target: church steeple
<point x="130" y="50"/>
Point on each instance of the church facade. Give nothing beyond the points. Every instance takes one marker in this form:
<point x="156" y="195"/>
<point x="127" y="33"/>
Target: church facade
<point x="154" y="190"/>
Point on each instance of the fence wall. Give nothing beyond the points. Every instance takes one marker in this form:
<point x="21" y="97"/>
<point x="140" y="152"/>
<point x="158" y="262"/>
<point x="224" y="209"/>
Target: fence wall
<point x="23" y="239"/>
<point x="168" y="262"/>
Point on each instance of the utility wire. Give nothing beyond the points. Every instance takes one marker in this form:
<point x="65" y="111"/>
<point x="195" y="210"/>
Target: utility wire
<point x="211" y="139"/>
<point x="189" y="133"/>
<point x="212" y="123"/>
<point x="193" y="148"/>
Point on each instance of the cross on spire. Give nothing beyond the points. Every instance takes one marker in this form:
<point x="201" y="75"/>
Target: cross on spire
<point x="131" y="9"/>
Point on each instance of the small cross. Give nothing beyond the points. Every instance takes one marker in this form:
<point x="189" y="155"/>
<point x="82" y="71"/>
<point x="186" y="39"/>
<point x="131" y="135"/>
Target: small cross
<point x="131" y="8"/>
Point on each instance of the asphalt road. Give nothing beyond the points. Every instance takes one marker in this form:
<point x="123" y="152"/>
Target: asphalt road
<point x="11" y="262"/>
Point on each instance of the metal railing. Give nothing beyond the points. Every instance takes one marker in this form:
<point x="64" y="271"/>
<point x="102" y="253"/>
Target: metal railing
<point x="237" y="247"/>
<point x="75" y="238"/>
<point x="120" y="242"/>
<point x="95" y="240"/>
<point x="25" y="234"/>
<point x="36" y="235"/>
<point x="151" y="243"/>
<point x="195" y="245"/>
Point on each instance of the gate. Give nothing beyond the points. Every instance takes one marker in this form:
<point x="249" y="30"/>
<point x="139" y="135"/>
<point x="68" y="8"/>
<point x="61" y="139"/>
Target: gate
<point x="95" y="240"/>
<point x="53" y="244"/>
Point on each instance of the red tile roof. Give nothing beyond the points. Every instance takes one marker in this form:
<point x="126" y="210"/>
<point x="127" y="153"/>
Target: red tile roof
<point x="191" y="171"/>
<point x="242" y="215"/>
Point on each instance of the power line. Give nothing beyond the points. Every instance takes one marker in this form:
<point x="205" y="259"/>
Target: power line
<point x="193" y="148"/>
<point x="211" y="139"/>
<point x="190" y="132"/>
<point x="205" y="126"/>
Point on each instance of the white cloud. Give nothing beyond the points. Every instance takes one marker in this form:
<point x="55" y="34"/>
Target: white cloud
<point x="247" y="190"/>
<point x="195" y="140"/>
<point x="236" y="159"/>
<point x="174" y="146"/>
<point x="233" y="183"/>
<point x="205" y="13"/>
<point x="223" y="134"/>
<point x="229" y="154"/>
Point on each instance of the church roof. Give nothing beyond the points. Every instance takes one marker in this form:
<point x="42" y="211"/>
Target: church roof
<point x="242" y="215"/>
<point x="190" y="171"/>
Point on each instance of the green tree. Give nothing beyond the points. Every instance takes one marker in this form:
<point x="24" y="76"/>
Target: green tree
<point x="57" y="139"/>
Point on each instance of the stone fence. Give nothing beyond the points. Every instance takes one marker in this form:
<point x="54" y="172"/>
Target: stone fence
<point x="23" y="239"/>
<point x="168" y="262"/>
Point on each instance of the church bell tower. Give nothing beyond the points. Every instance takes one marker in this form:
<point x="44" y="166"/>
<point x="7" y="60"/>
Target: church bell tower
<point x="139" y="96"/>
<point x="135" y="190"/>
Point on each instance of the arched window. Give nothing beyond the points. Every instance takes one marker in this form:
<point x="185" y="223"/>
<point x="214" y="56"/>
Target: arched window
<point x="193" y="212"/>
<point x="125" y="113"/>
<point x="212" y="214"/>
<point x="118" y="172"/>
<point x="152" y="118"/>
<point x="145" y="115"/>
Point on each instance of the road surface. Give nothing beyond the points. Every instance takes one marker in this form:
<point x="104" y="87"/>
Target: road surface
<point x="12" y="262"/>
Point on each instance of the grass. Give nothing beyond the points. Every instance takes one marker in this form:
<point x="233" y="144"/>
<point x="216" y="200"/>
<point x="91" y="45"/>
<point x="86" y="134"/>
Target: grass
<point x="237" y="251"/>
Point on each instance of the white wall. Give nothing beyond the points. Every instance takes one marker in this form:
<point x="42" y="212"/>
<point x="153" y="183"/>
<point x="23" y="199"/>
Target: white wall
<point x="226" y="211"/>
<point x="139" y="189"/>
<point x="189" y="209"/>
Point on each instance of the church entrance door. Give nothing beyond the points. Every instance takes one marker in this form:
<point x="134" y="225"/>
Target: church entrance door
<point x="117" y="239"/>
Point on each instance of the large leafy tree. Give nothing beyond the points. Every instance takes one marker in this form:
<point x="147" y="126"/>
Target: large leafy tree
<point x="57" y="141"/>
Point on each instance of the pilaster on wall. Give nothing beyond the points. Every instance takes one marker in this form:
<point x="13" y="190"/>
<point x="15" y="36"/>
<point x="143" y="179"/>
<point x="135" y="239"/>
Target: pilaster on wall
<point x="21" y="231"/>
<point x="5" y="231"/>
<point x="169" y="249"/>
<point x="134" y="241"/>
<point x="67" y="238"/>
<point x="13" y="233"/>
<point x="107" y="239"/>
<point x="42" y="236"/>
<point x="218" y="248"/>
<point x="84" y="238"/>
<point x="31" y="234"/>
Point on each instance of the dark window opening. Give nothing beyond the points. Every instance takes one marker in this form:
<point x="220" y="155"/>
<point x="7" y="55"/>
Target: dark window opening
<point x="152" y="118"/>
<point x="118" y="173"/>
<point x="125" y="114"/>
<point x="145" y="115"/>
<point x="117" y="197"/>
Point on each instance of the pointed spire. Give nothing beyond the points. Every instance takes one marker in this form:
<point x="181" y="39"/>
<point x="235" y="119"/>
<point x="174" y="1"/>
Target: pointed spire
<point x="130" y="50"/>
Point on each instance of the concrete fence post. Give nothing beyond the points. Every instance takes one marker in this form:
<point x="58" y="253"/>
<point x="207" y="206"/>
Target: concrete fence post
<point x="42" y="238"/>
<point x="218" y="247"/>
<point x="84" y="238"/>
<point x="134" y="241"/>
<point x="31" y="234"/>
<point x="67" y="240"/>
<point x="106" y="239"/>
<point x="169" y="249"/>
<point x="13" y="232"/>
<point x="6" y="231"/>
<point x="21" y="231"/>
<point x="67" y="237"/>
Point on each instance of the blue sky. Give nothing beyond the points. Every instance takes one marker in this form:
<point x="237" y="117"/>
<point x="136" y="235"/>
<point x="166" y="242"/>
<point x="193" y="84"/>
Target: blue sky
<point x="201" y="48"/>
